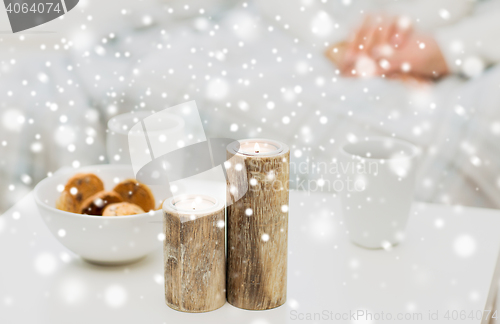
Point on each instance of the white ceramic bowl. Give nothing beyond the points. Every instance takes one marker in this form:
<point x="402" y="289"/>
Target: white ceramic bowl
<point x="97" y="239"/>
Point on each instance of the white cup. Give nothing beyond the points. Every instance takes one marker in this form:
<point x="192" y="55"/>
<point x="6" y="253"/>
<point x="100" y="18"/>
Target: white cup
<point x="117" y="138"/>
<point x="379" y="179"/>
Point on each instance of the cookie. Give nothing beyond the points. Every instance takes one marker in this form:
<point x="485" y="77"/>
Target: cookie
<point x="67" y="202"/>
<point x="122" y="209"/>
<point x="83" y="185"/>
<point x="95" y="204"/>
<point x="136" y="193"/>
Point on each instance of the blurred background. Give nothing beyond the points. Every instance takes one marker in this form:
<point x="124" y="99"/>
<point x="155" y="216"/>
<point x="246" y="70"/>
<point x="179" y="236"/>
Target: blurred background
<point x="313" y="74"/>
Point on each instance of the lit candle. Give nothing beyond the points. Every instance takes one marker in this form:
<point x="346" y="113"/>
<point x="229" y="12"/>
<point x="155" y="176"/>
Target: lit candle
<point x="194" y="253"/>
<point x="199" y="204"/>
<point x="257" y="223"/>
<point x="257" y="147"/>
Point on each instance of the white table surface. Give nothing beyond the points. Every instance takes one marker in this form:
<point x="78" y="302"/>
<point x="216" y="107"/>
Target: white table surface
<point x="447" y="262"/>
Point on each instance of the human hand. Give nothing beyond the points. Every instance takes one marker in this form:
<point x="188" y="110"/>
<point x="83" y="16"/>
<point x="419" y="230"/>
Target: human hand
<point x="377" y="35"/>
<point x="420" y="56"/>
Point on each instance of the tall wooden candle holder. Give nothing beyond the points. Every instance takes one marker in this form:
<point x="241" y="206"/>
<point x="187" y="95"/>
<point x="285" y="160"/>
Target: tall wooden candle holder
<point x="194" y="253"/>
<point x="257" y="223"/>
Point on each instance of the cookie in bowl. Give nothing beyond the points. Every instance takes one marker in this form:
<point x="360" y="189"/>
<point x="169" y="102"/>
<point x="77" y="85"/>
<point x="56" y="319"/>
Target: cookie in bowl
<point x="83" y="185"/>
<point x="67" y="202"/>
<point x="84" y="193"/>
<point x="122" y="209"/>
<point x="95" y="204"/>
<point x="136" y="193"/>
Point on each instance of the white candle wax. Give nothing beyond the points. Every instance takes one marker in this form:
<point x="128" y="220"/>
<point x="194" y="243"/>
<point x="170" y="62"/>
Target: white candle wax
<point x="193" y="204"/>
<point x="257" y="147"/>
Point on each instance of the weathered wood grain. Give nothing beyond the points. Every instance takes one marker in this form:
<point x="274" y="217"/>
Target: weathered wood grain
<point x="257" y="243"/>
<point x="194" y="257"/>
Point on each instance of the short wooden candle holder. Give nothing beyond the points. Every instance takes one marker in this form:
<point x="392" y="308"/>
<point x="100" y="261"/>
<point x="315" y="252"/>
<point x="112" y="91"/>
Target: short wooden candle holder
<point x="194" y="253"/>
<point x="257" y="223"/>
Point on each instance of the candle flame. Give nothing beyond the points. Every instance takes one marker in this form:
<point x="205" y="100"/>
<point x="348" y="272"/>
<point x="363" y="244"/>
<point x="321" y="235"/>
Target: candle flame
<point x="257" y="148"/>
